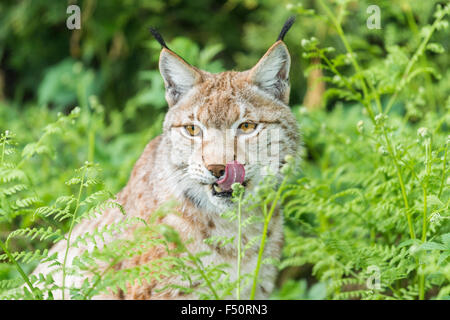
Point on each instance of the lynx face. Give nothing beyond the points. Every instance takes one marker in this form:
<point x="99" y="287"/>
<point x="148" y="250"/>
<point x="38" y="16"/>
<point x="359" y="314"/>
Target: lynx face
<point x="216" y="120"/>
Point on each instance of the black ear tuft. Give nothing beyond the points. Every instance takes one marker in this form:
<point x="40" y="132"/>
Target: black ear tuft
<point x="158" y="37"/>
<point x="287" y="25"/>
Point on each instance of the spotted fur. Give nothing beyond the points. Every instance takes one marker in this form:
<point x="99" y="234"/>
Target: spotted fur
<point x="174" y="165"/>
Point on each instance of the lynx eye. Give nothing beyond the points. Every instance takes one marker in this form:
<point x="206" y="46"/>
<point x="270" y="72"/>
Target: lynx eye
<point x="247" y="127"/>
<point x="192" y="130"/>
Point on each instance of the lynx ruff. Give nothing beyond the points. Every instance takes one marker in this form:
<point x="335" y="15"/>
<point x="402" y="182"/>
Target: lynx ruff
<point x="219" y="129"/>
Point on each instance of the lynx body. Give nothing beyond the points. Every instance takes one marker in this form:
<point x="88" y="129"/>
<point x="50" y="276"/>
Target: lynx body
<point x="212" y="120"/>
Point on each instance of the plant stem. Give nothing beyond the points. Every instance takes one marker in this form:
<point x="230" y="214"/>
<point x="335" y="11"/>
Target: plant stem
<point x="199" y="265"/>
<point x="402" y="184"/>
<point x="425" y="187"/>
<point x="413" y="60"/>
<point x="354" y="62"/>
<point x="267" y="219"/>
<point x="424" y="223"/>
<point x="367" y="99"/>
<point x="97" y="281"/>
<point x="91" y="149"/>
<point x="38" y="144"/>
<point x="19" y="269"/>
<point x="441" y="188"/>
<point x="238" y="289"/>
<point x="336" y="71"/>
<point x="3" y="152"/>
<point x="5" y="248"/>
<point x="72" y="223"/>
<point x="422" y="287"/>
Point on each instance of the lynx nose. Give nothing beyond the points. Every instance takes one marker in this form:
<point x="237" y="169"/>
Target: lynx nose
<point x="217" y="170"/>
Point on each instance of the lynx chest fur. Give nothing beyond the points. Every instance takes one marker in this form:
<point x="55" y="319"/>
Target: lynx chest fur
<point x="217" y="132"/>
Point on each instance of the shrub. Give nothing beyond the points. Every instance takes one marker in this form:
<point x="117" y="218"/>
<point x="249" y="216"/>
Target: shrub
<point x="366" y="213"/>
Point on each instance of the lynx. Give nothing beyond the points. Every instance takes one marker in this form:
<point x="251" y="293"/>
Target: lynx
<point x="212" y="128"/>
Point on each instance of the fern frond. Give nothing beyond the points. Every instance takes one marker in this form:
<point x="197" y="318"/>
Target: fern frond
<point x="32" y="233"/>
<point x="26" y="256"/>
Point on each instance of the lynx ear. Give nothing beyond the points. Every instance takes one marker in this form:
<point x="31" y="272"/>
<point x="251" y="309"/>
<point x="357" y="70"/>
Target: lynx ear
<point x="271" y="73"/>
<point x="179" y="77"/>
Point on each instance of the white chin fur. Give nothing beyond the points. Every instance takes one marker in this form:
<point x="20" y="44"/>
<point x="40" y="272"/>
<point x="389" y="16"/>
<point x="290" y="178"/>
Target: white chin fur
<point x="218" y="204"/>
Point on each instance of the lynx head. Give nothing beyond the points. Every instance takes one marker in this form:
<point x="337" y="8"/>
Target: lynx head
<point x="226" y="127"/>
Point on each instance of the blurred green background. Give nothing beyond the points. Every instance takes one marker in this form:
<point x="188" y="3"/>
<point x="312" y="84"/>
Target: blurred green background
<point x="114" y="56"/>
<point x="110" y="69"/>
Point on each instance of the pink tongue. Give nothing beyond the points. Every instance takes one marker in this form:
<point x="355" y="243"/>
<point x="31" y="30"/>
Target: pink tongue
<point x="234" y="172"/>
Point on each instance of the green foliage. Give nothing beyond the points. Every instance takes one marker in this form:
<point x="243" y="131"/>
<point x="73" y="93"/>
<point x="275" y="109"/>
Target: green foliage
<point x="108" y="56"/>
<point x="351" y="212"/>
<point x="379" y="198"/>
<point x="366" y="216"/>
<point x="71" y="209"/>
